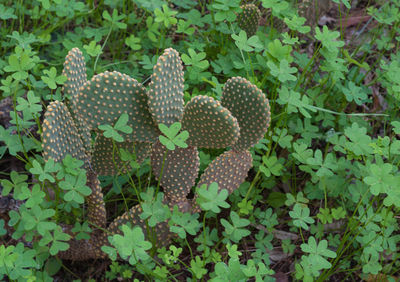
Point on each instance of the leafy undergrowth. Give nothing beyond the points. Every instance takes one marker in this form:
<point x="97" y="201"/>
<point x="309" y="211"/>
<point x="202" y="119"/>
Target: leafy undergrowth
<point x="322" y="199"/>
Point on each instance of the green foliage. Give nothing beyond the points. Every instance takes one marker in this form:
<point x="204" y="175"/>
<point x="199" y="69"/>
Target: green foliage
<point x="51" y="78"/>
<point x="131" y="246"/>
<point x="166" y="16"/>
<point x="210" y="198"/>
<point x="235" y="230"/>
<point x="320" y="188"/>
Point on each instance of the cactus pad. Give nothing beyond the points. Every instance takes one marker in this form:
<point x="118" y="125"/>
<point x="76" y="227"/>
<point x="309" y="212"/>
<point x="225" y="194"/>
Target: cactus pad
<point x="107" y="95"/>
<point x="209" y="124"/>
<point x="166" y="88"/>
<point x="251" y="108"/>
<point x="249" y="18"/>
<point x="102" y="160"/>
<point x="142" y="151"/>
<point x="60" y="135"/>
<point x="179" y="171"/>
<point x="96" y="206"/>
<point x="75" y="71"/>
<point x="229" y="170"/>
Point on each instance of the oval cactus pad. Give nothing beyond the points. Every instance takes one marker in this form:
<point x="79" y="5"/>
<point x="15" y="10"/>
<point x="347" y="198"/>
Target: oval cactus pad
<point x="209" y="124"/>
<point x="60" y="135"/>
<point x="179" y="170"/>
<point x="75" y="71"/>
<point x="166" y="88"/>
<point x="251" y="108"/>
<point x="229" y="170"/>
<point x="108" y="95"/>
<point x="249" y="18"/>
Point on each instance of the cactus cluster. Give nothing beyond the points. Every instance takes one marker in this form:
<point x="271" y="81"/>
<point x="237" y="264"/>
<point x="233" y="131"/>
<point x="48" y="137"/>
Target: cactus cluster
<point x="238" y="122"/>
<point x="249" y="19"/>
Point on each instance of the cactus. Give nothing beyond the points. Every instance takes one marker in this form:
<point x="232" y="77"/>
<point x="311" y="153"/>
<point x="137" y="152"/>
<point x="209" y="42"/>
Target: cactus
<point x="179" y="169"/>
<point x="166" y="88"/>
<point x="238" y="121"/>
<point x="60" y="135"/>
<point x="249" y="18"/>
<point x="251" y="108"/>
<point x="209" y="124"/>
<point x="75" y="71"/>
<point x="229" y="170"/>
<point x="102" y="159"/>
<point x="108" y="95"/>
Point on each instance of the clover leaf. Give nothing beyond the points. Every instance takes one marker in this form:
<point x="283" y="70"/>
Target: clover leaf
<point x="212" y="199"/>
<point x="120" y="125"/>
<point x="172" y="137"/>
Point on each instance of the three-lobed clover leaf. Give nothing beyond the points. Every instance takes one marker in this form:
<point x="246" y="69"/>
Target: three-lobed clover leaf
<point x="317" y="253"/>
<point x="19" y="63"/>
<point x="70" y="165"/>
<point x="44" y="173"/>
<point x="93" y="49"/>
<point x="196" y="59"/>
<point x="154" y="210"/>
<point x="34" y="196"/>
<point x="301" y="216"/>
<point x="120" y="125"/>
<point x="212" y="199"/>
<point x="7" y="13"/>
<point x="235" y="231"/>
<point x="133" y="42"/>
<point x="165" y="16"/>
<point x="36" y="218"/>
<point x="182" y="223"/>
<point x="83" y="231"/>
<point x="184" y="27"/>
<point x="283" y="72"/>
<point x="76" y="188"/>
<point x="328" y="38"/>
<point x="271" y="165"/>
<point x="18" y="260"/>
<point x="31" y="105"/>
<point x="51" y="78"/>
<point x="172" y="138"/>
<point x="17" y="183"/>
<point x="247" y="44"/>
<point x="114" y="19"/>
<point x="295" y="102"/>
<point x="197" y="267"/>
<point x="131" y="245"/>
<point x="57" y="241"/>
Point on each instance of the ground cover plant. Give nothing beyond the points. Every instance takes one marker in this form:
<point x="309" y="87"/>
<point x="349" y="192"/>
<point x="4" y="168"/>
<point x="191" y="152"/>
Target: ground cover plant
<point x="199" y="140"/>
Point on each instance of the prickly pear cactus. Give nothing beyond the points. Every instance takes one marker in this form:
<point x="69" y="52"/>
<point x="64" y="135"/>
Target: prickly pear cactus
<point x="210" y="125"/>
<point x="249" y="19"/>
<point x="106" y="161"/>
<point x="166" y="88"/>
<point x="238" y="122"/>
<point x="229" y="170"/>
<point x="177" y="170"/>
<point x="251" y="108"/>
<point x="108" y="95"/>
<point x="60" y="135"/>
<point x="75" y="71"/>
